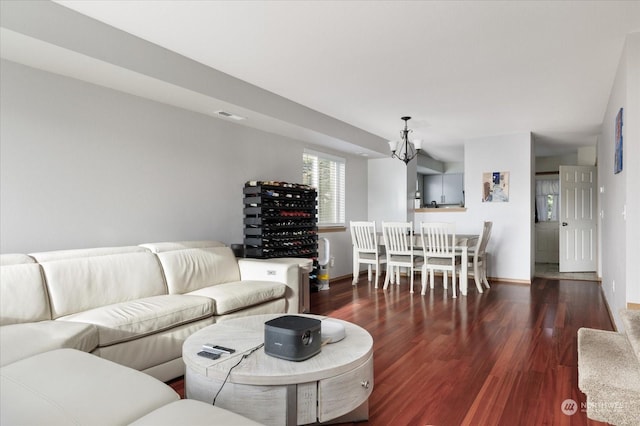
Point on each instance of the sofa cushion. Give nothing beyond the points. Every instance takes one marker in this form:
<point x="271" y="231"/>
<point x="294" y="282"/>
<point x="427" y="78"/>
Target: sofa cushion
<point x="50" y="256"/>
<point x="21" y="283"/>
<point x="69" y="387"/>
<point x="80" y="284"/>
<point x="193" y="413"/>
<point x="130" y="320"/>
<point x="19" y="341"/>
<point x="181" y="245"/>
<point x="238" y="295"/>
<point x="15" y="259"/>
<point x="192" y="269"/>
<point x="277" y="306"/>
<point x="156" y="353"/>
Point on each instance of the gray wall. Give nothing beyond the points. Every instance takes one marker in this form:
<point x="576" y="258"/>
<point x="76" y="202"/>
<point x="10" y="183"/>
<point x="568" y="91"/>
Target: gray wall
<point x="619" y="226"/>
<point x="84" y="166"/>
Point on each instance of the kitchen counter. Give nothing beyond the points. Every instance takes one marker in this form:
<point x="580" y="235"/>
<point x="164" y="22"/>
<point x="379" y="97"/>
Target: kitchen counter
<point x="441" y="210"/>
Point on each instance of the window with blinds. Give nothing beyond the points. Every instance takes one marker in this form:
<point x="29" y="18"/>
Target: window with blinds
<point x="547" y="198"/>
<point x="326" y="173"/>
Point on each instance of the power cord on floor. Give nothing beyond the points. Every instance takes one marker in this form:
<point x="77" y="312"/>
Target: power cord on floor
<point x="244" y="356"/>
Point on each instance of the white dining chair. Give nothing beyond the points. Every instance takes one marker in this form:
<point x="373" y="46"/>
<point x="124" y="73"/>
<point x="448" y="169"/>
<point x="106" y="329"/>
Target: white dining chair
<point x="365" y="249"/>
<point x="477" y="259"/>
<point x="439" y="247"/>
<point x="398" y="242"/>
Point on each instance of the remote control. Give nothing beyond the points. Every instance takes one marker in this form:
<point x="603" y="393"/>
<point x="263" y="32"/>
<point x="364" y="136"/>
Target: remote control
<point x="210" y="355"/>
<point x="217" y="348"/>
<point x="213" y="351"/>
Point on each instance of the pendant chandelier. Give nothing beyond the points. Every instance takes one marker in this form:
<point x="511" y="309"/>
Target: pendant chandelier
<point x="405" y="150"/>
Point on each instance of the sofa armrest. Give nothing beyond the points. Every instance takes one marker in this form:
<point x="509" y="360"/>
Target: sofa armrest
<point x="275" y="270"/>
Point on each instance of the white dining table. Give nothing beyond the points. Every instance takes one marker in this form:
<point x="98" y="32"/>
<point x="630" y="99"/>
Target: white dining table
<point x="462" y="246"/>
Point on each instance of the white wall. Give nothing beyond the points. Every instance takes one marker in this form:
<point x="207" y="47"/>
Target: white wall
<point x="85" y="166"/>
<point x="454" y="167"/>
<point x="553" y="163"/>
<point x="632" y="152"/>
<point x="356" y="208"/>
<point x="587" y="156"/>
<point x="390" y="185"/>
<point x="511" y="238"/>
<point x="619" y="201"/>
<point x="532" y="208"/>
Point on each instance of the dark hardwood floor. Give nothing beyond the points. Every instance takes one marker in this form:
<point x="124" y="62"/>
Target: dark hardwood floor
<point x="505" y="357"/>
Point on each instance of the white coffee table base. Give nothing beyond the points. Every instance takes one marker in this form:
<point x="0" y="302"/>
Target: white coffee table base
<point x="334" y="383"/>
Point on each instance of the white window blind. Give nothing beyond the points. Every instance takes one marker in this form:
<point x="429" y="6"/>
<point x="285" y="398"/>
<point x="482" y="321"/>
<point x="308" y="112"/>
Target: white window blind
<point x="326" y="173"/>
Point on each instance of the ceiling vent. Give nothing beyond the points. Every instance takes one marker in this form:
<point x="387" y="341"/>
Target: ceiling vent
<point x="226" y="114"/>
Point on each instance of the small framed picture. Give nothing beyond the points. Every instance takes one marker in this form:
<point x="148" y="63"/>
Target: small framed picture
<point x="619" y="154"/>
<point x="495" y="187"/>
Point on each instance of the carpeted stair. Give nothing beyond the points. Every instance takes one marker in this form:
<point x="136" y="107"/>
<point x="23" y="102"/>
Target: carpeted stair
<point x="609" y="371"/>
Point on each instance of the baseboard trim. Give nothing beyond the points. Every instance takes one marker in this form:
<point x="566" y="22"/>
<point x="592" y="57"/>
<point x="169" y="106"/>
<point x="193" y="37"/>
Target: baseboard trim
<point x="496" y="279"/>
<point x="343" y="277"/>
<point x="508" y="281"/>
<point x="633" y="306"/>
<point x="606" y="304"/>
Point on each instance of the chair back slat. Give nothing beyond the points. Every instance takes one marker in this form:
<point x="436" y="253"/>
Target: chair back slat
<point x="439" y="248"/>
<point x="478" y="258"/>
<point x="484" y="238"/>
<point x="363" y="236"/>
<point x="482" y="241"/>
<point x="397" y="237"/>
<point x="438" y="238"/>
<point x="365" y="249"/>
<point x="398" y="241"/>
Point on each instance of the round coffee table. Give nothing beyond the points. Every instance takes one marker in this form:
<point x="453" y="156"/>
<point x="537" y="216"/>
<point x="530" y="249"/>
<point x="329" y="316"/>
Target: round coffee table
<point x="334" y="383"/>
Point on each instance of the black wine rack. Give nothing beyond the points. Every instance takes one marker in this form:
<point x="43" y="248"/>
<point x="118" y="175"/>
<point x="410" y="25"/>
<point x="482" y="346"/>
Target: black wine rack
<point x="280" y="220"/>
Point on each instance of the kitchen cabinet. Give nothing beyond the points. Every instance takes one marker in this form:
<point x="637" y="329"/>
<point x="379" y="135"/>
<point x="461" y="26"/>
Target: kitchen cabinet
<point x="444" y="189"/>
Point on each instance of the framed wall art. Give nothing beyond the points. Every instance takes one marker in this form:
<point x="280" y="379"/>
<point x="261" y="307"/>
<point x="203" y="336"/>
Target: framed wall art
<point x="617" y="161"/>
<point x="495" y="187"/>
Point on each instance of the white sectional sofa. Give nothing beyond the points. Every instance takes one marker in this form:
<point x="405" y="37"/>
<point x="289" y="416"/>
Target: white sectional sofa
<point x="133" y="305"/>
<point x="71" y="387"/>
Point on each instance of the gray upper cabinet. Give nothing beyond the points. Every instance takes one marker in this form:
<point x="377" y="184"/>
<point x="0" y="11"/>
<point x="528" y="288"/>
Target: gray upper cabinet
<point x="443" y="189"/>
<point x="432" y="189"/>
<point x="452" y="187"/>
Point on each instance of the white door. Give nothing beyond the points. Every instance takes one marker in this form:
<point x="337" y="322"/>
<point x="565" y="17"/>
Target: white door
<point x="578" y="218"/>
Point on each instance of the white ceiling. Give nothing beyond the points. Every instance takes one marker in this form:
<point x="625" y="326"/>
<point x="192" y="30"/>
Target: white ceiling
<point x="461" y="69"/>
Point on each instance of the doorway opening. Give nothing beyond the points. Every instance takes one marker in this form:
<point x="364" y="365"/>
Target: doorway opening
<point x="551" y="271"/>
